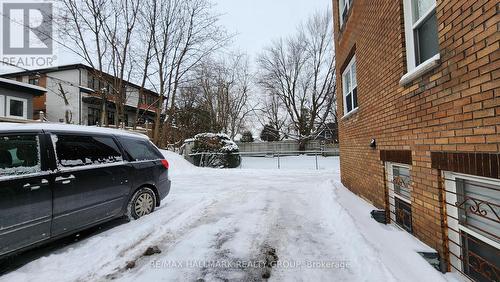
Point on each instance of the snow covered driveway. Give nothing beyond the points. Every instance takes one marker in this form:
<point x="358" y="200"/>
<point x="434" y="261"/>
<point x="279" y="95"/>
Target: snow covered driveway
<point x="226" y="224"/>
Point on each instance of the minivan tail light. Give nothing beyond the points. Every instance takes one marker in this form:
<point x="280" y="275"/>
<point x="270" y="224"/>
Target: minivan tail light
<point x="165" y="163"/>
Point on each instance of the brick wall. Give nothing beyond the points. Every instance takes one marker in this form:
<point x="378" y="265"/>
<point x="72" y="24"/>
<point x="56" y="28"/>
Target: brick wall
<point x="39" y="101"/>
<point x="453" y="108"/>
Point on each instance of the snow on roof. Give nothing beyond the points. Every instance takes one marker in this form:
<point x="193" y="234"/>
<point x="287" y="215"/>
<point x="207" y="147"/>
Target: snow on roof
<point x="86" y="89"/>
<point x="67" y="128"/>
<point x="22" y="84"/>
<point x="68" y="67"/>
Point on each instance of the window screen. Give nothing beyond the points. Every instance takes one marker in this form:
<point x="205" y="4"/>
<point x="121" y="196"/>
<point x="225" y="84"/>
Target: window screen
<point x="77" y="150"/>
<point x="401" y="181"/>
<point x="479" y="206"/>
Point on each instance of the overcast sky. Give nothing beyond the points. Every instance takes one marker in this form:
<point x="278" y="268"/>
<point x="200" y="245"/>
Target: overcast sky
<point x="255" y="23"/>
<point x="258" y="22"/>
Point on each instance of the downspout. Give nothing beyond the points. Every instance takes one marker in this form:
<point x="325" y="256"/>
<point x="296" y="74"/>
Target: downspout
<point x="79" y="96"/>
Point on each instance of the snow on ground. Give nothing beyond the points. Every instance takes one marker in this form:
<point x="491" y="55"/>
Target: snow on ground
<point x="220" y="224"/>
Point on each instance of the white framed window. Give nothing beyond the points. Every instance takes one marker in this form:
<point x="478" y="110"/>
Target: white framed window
<point x="472" y="211"/>
<point x="17" y="107"/>
<point x="350" y="87"/>
<point x="2" y="105"/>
<point x="399" y="184"/>
<point x="344" y="6"/>
<point x="421" y="34"/>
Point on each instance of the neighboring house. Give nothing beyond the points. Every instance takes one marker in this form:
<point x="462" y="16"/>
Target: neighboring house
<point x="421" y="78"/>
<point x="16" y="99"/>
<point x="72" y="95"/>
<point x="328" y="133"/>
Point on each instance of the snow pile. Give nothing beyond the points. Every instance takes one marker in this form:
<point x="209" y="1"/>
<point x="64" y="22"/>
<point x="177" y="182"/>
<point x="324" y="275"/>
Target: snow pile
<point x="177" y="163"/>
<point x="396" y="248"/>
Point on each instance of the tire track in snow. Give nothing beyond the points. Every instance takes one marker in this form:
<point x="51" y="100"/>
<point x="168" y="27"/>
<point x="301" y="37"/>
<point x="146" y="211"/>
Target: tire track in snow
<point x="219" y="236"/>
<point x="166" y="235"/>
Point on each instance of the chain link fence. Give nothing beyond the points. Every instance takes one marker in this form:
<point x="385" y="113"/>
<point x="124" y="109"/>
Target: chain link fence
<point x="310" y="160"/>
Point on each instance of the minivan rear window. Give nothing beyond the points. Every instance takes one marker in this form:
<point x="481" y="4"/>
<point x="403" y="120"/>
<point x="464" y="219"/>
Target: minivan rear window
<point x="139" y="150"/>
<point x="19" y="155"/>
<point x="78" y="150"/>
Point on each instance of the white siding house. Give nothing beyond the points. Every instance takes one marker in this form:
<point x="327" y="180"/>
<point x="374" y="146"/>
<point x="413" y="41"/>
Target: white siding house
<point x="82" y="105"/>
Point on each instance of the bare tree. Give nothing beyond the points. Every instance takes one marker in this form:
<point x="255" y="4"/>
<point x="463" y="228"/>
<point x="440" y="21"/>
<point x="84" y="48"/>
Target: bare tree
<point x="184" y="33"/>
<point x="300" y="71"/>
<point x="145" y="56"/>
<point x="102" y="33"/>
<point x="118" y="32"/>
<point x="272" y="112"/>
<point x="240" y="105"/>
<point x="225" y="89"/>
<point x="82" y="22"/>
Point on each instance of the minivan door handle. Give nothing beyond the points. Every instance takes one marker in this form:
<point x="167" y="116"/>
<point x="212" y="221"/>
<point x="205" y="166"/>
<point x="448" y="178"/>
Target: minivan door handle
<point x="32" y="187"/>
<point x="65" y="180"/>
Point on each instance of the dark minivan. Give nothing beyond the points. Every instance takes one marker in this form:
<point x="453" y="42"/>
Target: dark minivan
<point x="58" y="179"/>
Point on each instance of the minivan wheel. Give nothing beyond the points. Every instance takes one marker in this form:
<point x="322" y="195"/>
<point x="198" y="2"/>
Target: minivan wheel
<point x="143" y="202"/>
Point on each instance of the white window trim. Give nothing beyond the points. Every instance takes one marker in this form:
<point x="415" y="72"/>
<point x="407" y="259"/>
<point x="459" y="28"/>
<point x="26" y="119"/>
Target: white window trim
<point x="344" y="95"/>
<point x="345" y="7"/>
<point x="414" y="71"/>
<point x="392" y="194"/>
<point x="452" y="216"/>
<point x="25" y="107"/>
<point x="421" y="69"/>
<point x="2" y="105"/>
<point x="346" y="116"/>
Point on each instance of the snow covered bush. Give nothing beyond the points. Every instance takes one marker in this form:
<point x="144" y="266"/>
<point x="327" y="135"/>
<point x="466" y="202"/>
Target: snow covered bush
<point x="215" y="150"/>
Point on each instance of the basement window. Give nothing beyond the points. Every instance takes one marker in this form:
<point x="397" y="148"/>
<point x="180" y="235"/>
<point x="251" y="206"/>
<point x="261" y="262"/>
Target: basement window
<point x="350" y="88"/>
<point x="399" y="183"/>
<point x="421" y="35"/>
<point x="473" y="217"/>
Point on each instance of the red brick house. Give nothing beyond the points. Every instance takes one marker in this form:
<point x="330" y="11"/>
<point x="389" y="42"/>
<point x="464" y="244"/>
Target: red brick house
<point x="419" y="100"/>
